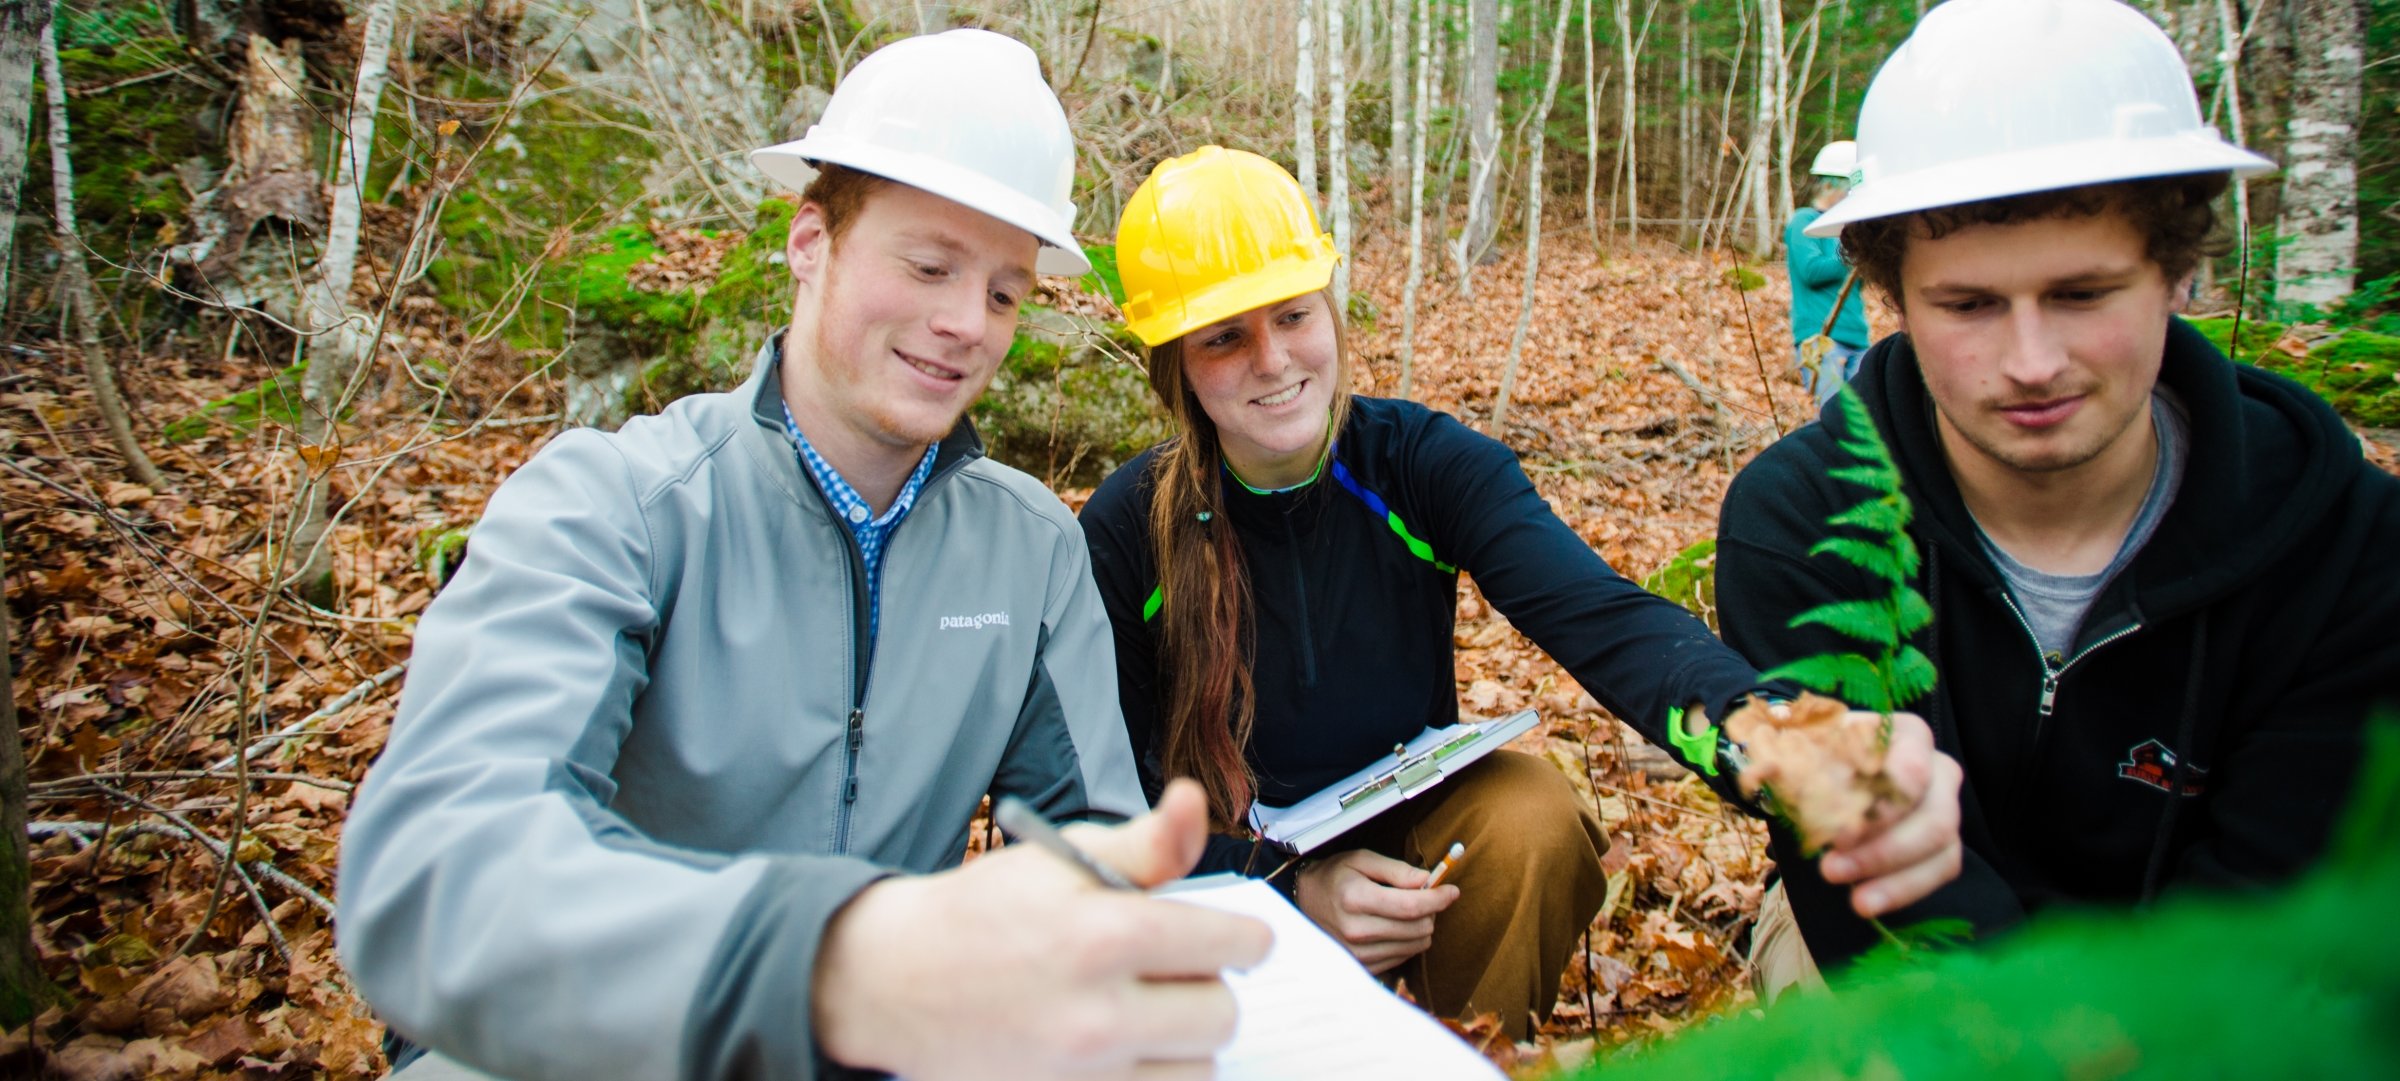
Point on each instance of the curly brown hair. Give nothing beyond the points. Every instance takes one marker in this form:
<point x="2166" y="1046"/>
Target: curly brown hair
<point x="2176" y="216"/>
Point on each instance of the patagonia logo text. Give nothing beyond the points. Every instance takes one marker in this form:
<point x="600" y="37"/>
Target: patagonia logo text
<point x="975" y="622"/>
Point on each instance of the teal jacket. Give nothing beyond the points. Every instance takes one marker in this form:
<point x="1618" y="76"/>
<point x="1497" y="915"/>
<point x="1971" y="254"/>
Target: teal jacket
<point x="1817" y="273"/>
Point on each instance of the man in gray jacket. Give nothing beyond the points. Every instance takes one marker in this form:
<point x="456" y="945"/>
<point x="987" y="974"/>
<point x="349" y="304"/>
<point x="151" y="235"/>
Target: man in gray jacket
<point x="706" y="687"/>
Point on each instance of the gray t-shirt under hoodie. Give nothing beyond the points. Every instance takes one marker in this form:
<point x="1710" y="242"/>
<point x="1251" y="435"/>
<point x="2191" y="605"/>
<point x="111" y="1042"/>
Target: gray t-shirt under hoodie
<point x="2055" y="604"/>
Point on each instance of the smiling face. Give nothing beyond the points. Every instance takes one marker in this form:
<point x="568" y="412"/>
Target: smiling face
<point x="1267" y="378"/>
<point x="898" y="327"/>
<point x="2040" y="341"/>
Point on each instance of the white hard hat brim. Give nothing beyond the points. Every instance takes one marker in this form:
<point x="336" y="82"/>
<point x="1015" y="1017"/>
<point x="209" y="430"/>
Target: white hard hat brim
<point x="794" y="164"/>
<point x="2098" y="161"/>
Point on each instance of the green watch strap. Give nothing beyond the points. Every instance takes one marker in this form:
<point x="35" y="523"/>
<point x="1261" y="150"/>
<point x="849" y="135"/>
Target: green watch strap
<point x="1699" y="748"/>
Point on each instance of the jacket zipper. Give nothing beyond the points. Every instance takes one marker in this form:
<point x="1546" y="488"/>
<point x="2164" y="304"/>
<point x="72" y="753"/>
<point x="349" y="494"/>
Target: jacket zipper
<point x="862" y="655"/>
<point x="2050" y="675"/>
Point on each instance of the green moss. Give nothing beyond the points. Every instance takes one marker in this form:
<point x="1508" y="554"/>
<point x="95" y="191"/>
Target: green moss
<point x="127" y="140"/>
<point x="1067" y="410"/>
<point x="2357" y="371"/>
<point x="1690" y="579"/>
<point x="1104" y="277"/>
<point x="277" y="399"/>
<point x="439" y="553"/>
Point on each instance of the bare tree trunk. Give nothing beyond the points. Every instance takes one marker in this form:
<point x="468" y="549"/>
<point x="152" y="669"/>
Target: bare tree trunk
<point x="1416" y="196"/>
<point x="345" y="338"/>
<point x="1483" y="139"/>
<point x="24" y="27"/>
<point x="1764" y="207"/>
<point x="1395" y="163"/>
<point x="1632" y="177"/>
<point x="22" y="24"/>
<point x="1533" y="225"/>
<point x="2231" y="36"/>
<point x="1721" y="217"/>
<point x="1337" y="149"/>
<point x="24" y="991"/>
<point x="2318" y="261"/>
<point x="1787" y="127"/>
<point x="1304" y="96"/>
<point x="1687" y="115"/>
<point x="1591" y="128"/>
<point x="75" y="276"/>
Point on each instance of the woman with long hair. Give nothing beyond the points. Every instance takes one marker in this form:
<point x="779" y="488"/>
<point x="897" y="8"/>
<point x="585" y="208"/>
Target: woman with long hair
<point x="1282" y="576"/>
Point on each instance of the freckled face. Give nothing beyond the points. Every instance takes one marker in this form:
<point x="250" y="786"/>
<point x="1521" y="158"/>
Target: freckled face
<point x="1266" y="377"/>
<point x="912" y="311"/>
<point x="2040" y="341"/>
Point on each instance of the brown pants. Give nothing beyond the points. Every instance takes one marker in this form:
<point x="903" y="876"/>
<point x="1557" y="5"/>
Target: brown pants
<point x="1529" y="885"/>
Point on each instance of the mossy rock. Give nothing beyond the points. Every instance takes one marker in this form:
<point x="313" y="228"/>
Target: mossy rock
<point x="2357" y="371"/>
<point x="127" y="142"/>
<point x="1068" y="405"/>
<point x="1690" y="579"/>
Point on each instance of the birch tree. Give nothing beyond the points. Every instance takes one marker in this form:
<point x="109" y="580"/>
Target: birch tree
<point x="1337" y="150"/>
<point x="1629" y="179"/>
<point x="1395" y="163"/>
<point x="1416" y="195"/>
<point x="75" y="276"/>
<point x="1687" y="125"/>
<point x="1304" y="93"/>
<point x="343" y="338"/>
<point x="1591" y="128"/>
<point x="2231" y="36"/>
<point x="24" y="992"/>
<point x="1483" y="138"/>
<point x="22" y="24"/>
<point x="1765" y="209"/>
<point x="1533" y="224"/>
<point x="2319" y="218"/>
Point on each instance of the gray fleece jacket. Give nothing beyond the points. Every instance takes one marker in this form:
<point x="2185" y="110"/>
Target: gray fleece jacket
<point x="645" y="752"/>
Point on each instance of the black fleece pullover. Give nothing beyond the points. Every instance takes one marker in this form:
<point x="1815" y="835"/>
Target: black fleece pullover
<point x="2231" y="662"/>
<point x="1353" y="622"/>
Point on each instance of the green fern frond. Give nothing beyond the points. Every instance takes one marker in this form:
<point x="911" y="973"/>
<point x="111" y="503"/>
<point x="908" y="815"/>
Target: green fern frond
<point x="1910" y="612"/>
<point x="1869" y="556"/>
<point x="1881" y="516"/>
<point x="1867" y="621"/>
<point x="1912" y="675"/>
<point x="1881" y="479"/>
<point x="1847" y="676"/>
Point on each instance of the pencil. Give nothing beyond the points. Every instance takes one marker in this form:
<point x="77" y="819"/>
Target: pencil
<point x="1458" y="849"/>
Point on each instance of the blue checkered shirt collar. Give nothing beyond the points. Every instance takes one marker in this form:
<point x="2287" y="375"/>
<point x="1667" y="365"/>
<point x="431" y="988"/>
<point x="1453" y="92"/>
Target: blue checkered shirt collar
<point x="847" y="503"/>
<point x="870" y="531"/>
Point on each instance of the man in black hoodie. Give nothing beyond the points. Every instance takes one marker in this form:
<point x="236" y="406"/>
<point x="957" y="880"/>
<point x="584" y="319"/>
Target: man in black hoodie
<point x="2164" y="585"/>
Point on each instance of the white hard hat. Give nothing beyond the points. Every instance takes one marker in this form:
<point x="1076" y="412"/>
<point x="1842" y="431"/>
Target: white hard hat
<point x="1992" y="98"/>
<point x="1836" y="160"/>
<point x="963" y="114"/>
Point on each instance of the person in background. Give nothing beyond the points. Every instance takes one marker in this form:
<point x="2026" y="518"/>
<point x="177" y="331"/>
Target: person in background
<point x="1820" y="279"/>
<point x="2162" y="586"/>
<point x="669" y="797"/>
<point x="1282" y="575"/>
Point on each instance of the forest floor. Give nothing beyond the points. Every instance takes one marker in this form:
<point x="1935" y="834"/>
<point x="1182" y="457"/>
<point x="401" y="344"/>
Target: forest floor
<point x="148" y="653"/>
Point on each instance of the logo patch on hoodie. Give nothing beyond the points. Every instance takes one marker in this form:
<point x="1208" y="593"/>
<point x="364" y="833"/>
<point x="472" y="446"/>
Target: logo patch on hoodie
<point x="975" y="622"/>
<point x="2151" y="763"/>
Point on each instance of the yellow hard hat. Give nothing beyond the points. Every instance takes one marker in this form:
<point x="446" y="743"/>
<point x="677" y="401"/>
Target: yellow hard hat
<point x="1213" y="234"/>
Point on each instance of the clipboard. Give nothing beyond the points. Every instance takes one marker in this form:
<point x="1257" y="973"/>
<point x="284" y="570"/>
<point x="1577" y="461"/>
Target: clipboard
<point x="1421" y="764"/>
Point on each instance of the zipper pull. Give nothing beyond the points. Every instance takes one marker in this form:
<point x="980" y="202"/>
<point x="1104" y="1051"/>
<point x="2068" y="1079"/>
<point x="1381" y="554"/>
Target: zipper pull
<point x="2049" y="689"/>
